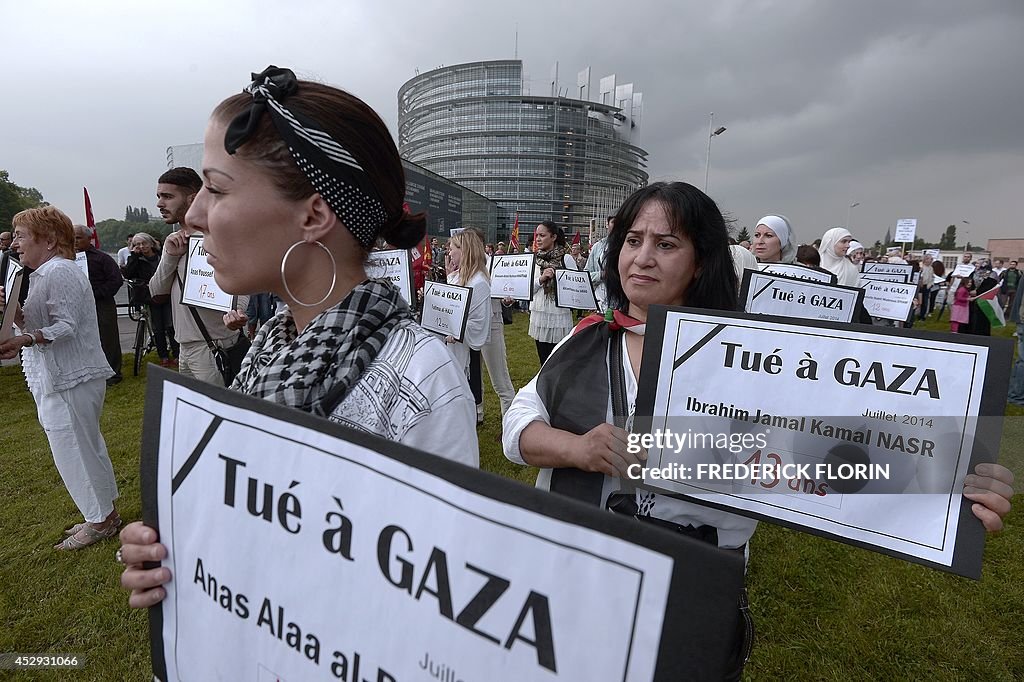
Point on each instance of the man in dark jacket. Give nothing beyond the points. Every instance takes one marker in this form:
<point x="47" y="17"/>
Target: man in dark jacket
<point x="105" y="278"/>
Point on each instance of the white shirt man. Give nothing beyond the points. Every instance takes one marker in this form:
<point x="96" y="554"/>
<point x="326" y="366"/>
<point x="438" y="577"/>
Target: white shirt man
<point x="124" y="252"/>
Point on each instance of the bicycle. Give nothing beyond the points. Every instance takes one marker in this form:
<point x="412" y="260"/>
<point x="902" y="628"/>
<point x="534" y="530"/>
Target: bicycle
<point x="145" y="342"/>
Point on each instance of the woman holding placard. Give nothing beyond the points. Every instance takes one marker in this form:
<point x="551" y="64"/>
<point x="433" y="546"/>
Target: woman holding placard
<point x="670" y="247"/>
<point x="774" y="240"/>
<point x="549" y="324"/>
<point x="65" y="369"/>
<point x="300" y="181"/>
<point x="465" y="264"/>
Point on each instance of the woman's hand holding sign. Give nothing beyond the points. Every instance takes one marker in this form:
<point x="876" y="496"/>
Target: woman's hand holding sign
<point x="990" y="487"/>
<point x="139" y="545"/>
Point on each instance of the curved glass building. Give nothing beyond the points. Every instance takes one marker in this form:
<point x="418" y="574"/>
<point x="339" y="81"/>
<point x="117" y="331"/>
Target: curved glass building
<point x="546" y="157"/>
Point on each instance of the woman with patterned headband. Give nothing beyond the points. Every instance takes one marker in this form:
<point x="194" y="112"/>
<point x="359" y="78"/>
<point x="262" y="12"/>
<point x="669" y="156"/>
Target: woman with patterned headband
<point x="300" y="181"/>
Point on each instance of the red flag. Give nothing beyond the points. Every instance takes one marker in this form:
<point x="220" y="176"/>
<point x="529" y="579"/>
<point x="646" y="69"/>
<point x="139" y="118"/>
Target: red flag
<point x="513" y="241"/>
<point x="428" y="253"/>
<point x="576" y="238"/>
<point x="89" y="220"/>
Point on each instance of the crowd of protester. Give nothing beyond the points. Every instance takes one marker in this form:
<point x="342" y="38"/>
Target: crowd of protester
<point x="287" y="226"/>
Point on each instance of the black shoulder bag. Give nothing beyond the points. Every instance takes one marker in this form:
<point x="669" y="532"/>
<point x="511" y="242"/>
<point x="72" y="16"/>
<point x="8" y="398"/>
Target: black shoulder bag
<point x="228" y="360"/>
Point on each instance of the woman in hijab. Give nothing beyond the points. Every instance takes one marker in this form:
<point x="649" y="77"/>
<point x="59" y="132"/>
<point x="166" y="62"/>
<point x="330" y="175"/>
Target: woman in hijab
<point x="742" y="260"/>
<point x="834" y="245"/>
<point x="301" y="179"/>
<point x="855" y="253"/>
<point x="549" y="324"/>
<point x="774" y="240"/>
<point x="984" y="280"/>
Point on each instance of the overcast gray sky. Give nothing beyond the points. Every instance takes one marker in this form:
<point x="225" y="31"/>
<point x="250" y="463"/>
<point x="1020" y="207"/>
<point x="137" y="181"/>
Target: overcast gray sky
<point x="912" y="108"/>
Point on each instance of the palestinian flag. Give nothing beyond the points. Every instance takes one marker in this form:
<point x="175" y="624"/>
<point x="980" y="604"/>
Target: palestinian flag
<point x="989" y="305"/>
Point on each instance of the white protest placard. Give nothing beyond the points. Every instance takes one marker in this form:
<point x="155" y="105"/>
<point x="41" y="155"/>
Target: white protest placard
<point x="12" y="287"/>
<point x="864" y="437"/>
<point x="906" y="228"/>
<point x="82" y="261"/>
<point x="915" y="278"/>
<point x="863" y="278"/>
<point x="890" y="272"/>
<point x="445" y="309"/>
<point x="512" y="276"/>
<point x="894" y="251"/>
<point x="799" y="272"/>
<point x="767" y="294"/>
<point x="934" y="253"/>
<point x="455" y="230"/>
<point x="889" y="300"/>
<point x="573" y="289"/>
<point x="963" y="270"/>
<point x="199" y="287"/>
<point x="9" y="267"/>
<point x="301" y="549"/>
<point x="394" y="265"/>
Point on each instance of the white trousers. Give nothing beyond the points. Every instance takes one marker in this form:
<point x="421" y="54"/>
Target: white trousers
<point x="71" y="420"/>
<point x="496" y="361"/>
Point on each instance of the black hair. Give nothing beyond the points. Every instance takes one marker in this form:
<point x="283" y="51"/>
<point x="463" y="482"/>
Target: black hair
<point x="808" y="255"/>
<point x="353" y="124"/>
<point x="695" y="215"/>
<point x="554" y="229"/>
<point x="182" y="176"/>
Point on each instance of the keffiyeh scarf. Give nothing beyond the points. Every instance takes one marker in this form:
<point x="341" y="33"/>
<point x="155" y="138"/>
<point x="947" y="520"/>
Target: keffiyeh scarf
<point x="574" y="384"/>
<point x="314" y="370"/>
<point x="555" y="258"/>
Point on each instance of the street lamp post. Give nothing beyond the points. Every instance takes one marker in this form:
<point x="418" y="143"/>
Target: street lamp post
<point x="850" y="208"/>
<point x="711" y="133"/>
<point x="967" y="234"/>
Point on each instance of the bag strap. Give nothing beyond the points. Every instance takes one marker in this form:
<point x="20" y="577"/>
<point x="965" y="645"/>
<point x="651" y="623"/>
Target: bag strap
<point x="195" y="316"/>
<point x="622" y="502"/>
<point x="617" y="379"/>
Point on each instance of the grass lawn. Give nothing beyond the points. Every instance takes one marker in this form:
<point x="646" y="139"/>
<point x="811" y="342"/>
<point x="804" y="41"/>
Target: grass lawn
<point x="823" y="610"/>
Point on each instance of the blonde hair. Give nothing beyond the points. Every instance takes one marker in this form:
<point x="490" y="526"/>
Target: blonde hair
<point x="473" y="258"/>
<point x="48" y="222"/>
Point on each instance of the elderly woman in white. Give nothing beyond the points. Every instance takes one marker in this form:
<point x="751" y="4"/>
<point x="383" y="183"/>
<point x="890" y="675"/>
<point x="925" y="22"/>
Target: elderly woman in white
<point x="65" y="369"/>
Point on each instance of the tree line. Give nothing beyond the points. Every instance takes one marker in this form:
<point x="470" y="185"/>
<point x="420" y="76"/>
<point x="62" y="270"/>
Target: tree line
<point x="14" y="199"/>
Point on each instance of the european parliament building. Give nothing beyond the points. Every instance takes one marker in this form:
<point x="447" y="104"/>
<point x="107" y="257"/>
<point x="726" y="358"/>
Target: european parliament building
<point x="548" y="157"/>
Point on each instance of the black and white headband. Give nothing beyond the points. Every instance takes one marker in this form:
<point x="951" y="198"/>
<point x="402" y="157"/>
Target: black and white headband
<point x="331" y="169"/>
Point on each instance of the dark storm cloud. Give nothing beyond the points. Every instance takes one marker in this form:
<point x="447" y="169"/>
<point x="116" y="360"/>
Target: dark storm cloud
<point x="912" y="108"/>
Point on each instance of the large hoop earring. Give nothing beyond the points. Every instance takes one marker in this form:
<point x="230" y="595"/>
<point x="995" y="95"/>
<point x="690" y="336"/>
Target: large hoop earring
<point x="284" y="280"/>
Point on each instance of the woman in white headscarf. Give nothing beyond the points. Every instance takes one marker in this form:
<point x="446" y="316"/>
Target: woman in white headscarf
<point x="834" y="245"/>
<point x="742" y="260"/>
<point x="774" y="240"/>
<point x="855" y="253"/>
